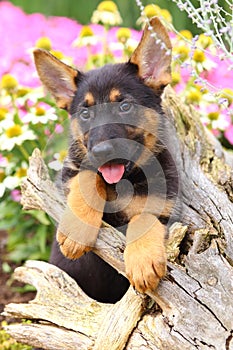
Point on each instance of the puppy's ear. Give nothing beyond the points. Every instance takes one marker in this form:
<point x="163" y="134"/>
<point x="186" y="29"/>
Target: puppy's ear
<point x="58" y="78"/>
<point x="153" y="55"/>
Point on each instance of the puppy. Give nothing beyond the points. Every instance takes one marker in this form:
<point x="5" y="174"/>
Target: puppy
<point x="118" y="168"/>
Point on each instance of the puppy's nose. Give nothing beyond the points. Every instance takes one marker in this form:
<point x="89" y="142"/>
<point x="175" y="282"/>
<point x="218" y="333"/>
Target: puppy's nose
<point x="103" y="151"/>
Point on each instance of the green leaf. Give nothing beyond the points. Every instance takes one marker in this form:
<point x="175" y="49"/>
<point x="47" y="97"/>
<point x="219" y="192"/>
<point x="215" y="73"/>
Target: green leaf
<point x="6" y="268"/>
<point x="40" y="216"/>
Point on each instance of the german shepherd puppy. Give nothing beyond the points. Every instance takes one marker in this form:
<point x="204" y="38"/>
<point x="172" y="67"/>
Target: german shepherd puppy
<point x="118" y="167"/>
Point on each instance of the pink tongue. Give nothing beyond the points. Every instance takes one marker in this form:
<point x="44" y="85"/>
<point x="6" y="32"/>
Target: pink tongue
<point x="112" y="173"/>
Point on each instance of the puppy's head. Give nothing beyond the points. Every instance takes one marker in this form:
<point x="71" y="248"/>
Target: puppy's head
<point x="115" y="109"/>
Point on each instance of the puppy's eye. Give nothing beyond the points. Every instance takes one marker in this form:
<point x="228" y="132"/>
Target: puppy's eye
<point x="125" y="106"/>
<point x="84" y="113"/>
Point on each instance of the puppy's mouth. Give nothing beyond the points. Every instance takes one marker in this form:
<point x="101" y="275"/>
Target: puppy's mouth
<point x="112" y="172"/>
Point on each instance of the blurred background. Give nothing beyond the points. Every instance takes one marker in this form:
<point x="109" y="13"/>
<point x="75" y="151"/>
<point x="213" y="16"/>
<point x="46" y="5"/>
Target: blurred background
<point x="81" y="10"/>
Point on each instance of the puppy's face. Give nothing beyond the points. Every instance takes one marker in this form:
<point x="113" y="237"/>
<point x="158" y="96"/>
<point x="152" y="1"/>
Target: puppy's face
<point x="115" y="109"/>
<point x="116" y="117"/>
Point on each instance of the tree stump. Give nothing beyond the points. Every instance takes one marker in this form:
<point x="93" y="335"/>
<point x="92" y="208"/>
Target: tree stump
<point x="192" y="307"/>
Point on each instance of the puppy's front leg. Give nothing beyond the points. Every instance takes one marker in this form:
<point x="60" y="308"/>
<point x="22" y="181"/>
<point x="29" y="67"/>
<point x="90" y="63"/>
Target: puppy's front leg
<point x="145" y="255"/>
<point x="78" y="229"/>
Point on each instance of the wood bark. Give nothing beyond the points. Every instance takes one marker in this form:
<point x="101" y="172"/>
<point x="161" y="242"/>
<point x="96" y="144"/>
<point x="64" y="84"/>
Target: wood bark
<point x="192" y="307"/>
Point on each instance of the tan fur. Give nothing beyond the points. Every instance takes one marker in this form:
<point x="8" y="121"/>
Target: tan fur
<point x="114" y="95"/>
<point x="150" y="132"/>
<point x="130" y="207"/>
<point x="149" y="204"/>
<point x="145" y="256"/>
<point x="86" y="201"/>
<point x="75" y="130"/>
<point x="57" y="77"/>
<point x="149" y="147"/>
<point x="89" y="99"/>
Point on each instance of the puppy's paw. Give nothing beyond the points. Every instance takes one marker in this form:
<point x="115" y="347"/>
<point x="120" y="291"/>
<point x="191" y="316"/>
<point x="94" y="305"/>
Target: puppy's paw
<point x="145" y="265"/>
<point x="70" y="248"/>
<point x="75" y="236"/>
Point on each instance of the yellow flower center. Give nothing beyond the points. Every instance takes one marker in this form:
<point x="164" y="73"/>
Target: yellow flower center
<point x="186" y="34"/>
<point x="213" y="115"/>
<point x="152" y="10"/>
<point x="199" y="56"/>
<point x="2" y="175"/>
<point x="123" y="34"/>
<point x="8" y="82"/>
<point x="204" y="41"/>
<point x="62" y="155"/>
<point x="3" y="112"/>
<point x="175" y="78"/>
<point x="107" y="14"/>
<point x="44" y="43"/>
<point x="22" y="92"/>
<point x="228" y="94"/>
<point x="14" y="131"/>
<point x="166" y="15"/>
<point x="21" y="172"/>
<point x="86" y="31"/>
<point x="182" y="51"/>
<point x="108" y="6"/>
<point x="40" y="111"/>
<point x="57" y="54"/>
<point x="194" y="96"/>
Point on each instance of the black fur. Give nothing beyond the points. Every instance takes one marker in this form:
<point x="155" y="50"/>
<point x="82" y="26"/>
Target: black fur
<point x="97" y="278"/>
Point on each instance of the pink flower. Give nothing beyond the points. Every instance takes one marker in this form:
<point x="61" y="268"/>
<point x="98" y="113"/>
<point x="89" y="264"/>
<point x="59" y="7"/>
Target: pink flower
<point x="59" y="129"/>
<point x="219" y="76"/>
<point x="16" y="195"/>
<point x="3" y="161"/>
<point x="47" y="132"/>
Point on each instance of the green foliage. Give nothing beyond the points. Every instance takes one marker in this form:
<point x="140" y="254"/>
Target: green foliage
<point x="83" y="10"/>
<point x="30" y="233"/>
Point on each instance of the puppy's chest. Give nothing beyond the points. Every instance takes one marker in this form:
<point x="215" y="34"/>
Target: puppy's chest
<point x="123" y="202"/>
<point x="126" y="200"/>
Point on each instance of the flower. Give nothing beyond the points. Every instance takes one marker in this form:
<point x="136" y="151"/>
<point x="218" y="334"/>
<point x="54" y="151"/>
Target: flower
<point x="107" y="13"/>
<point x="58" y="54"/>
<point x="3" y="113"/>
<point x="14" y="131"/>
<point x="182" y="52"/>
<point x="57" y="164"/>
<point x="3" y="162"/>
<point x="86" y="37"/>
<point x="123" y="34"/>
<point x="16" y="195"/>
<point x="204" y="41"/>
<point x="227" y="94"/>
<point x="193" y="96"/>
<point x="185" y="34"/>
<point x="8" y="82"/>
<point x="41" y="113"/>
<point x="9" y="183"/>
<point x="44" y="43"/>
<point x="14" y="135"/>
<point x="199" y="56"/>
<point x="176" y="77"/>
<point x="21" y="172"/>
<point x="152" y="10"/>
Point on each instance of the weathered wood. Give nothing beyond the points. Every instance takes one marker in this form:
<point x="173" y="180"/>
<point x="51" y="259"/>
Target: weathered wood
<point x="194" y="303"/>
